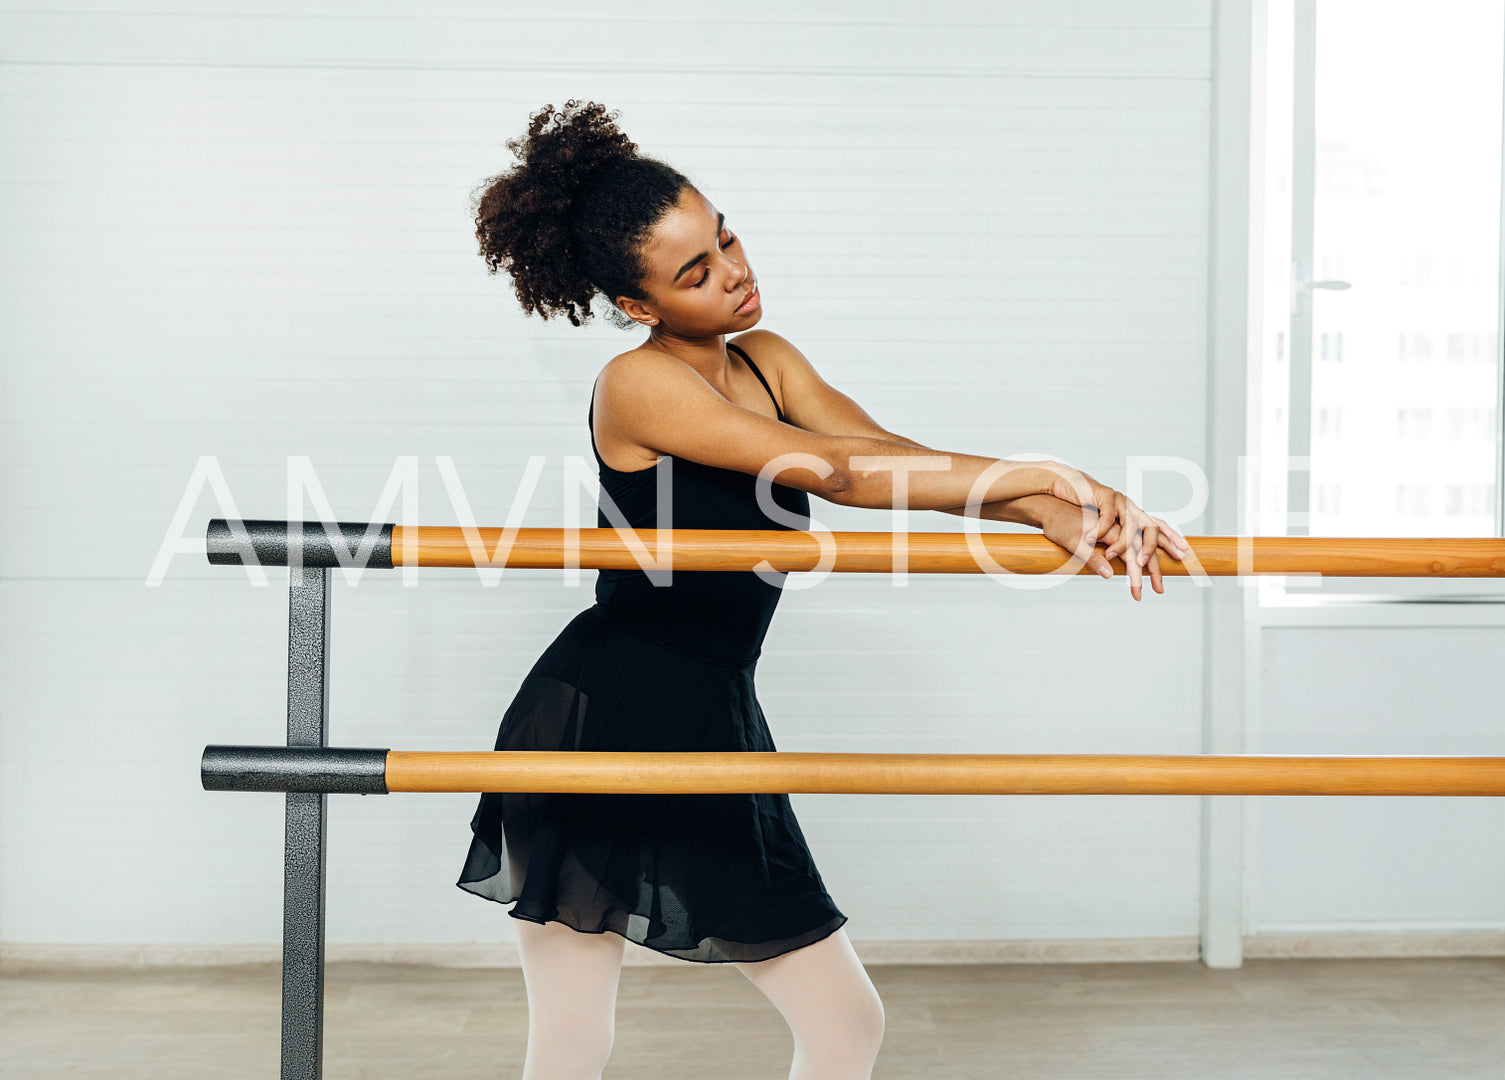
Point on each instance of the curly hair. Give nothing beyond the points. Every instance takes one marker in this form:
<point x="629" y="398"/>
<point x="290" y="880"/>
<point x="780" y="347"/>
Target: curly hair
<point x="569" y="219"/>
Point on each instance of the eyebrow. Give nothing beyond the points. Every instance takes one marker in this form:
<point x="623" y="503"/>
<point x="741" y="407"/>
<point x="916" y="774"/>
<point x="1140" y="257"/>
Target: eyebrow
<point x="720" y="220"/>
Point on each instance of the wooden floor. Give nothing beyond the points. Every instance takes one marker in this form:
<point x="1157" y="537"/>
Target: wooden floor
<point x="1438" y="1019"/>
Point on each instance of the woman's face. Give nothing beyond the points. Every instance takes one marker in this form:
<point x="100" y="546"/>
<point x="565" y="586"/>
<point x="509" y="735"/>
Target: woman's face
<point x="699" y="282"/>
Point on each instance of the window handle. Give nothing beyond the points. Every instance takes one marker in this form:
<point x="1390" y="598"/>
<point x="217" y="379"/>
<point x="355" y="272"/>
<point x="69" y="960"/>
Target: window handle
<point x="1302" y="286"/>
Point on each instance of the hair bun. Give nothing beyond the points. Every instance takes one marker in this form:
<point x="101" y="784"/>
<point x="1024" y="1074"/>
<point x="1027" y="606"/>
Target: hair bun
<point x="562" y="148"/>
<point x="523" y="216"/>
<point x="568" y="219"/>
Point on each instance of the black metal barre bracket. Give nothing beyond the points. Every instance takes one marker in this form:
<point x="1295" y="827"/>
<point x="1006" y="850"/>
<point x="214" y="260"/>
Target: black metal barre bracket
<point x="267" y="542"/>
<point x="335" y="770"/>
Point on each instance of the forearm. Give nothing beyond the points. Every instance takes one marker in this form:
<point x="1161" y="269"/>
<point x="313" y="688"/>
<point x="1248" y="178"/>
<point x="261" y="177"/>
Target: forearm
<point x="875" y="474"/>
<point x="1030" y="510"/>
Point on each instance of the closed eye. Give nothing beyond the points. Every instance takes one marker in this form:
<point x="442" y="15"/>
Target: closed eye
<point x="730" y="240"/>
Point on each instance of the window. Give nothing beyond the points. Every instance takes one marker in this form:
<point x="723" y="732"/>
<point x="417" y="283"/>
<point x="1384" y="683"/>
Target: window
<point x="1416" y="346"/>
<point x="1413" y="423"/>
<point x="1413" y="500"/>
<point x="1332" y="346"/>
<point x="1383" y="210"/>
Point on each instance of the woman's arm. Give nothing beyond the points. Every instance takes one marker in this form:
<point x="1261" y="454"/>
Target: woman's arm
<point x="814" y="405"/>
<point x="1028" y="510"/>
<point x="663" y="405"/>
<point x="1025" y="510"/>
<point x="1076" y="512"/>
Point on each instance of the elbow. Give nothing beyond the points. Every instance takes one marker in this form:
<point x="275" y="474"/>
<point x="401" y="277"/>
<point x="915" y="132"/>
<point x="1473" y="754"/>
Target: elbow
<point x="836" y="486"/>
<point x="840" y="483"/>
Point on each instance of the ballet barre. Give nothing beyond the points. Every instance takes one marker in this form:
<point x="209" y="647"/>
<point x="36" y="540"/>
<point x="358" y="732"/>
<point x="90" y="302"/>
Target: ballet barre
<point x="386" y="547"/>
<point x="307" y="770"/>
<point x="368" y="771"/>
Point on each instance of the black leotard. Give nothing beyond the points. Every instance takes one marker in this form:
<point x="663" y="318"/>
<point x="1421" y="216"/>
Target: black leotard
<point x="712" y="878"/>
<point x="718" y="614"/>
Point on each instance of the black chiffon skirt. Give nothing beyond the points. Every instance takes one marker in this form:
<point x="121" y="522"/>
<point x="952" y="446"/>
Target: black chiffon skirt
<point x="713" y="878"/>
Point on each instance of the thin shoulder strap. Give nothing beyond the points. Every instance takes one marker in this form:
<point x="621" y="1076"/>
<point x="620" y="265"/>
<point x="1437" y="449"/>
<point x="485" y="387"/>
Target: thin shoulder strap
<point x="590" y="417"/>
<point x="743" y="353"/>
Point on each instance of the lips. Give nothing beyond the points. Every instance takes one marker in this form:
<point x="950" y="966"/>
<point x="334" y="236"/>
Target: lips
<point x="749" y="303"/>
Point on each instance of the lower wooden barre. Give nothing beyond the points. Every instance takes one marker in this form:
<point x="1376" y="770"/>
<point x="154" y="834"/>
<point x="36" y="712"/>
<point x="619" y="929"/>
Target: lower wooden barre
<point x="611" y="772"/>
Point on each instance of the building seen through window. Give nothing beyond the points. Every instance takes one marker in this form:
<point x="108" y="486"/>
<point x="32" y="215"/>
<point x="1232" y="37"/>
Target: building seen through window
<point x="1405" y="371"/>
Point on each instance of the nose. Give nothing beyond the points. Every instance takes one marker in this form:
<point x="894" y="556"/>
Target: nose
<point x="733" y="282"/>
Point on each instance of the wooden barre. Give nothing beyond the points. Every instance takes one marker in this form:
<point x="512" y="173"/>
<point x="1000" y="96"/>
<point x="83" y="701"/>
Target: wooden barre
<point x="940" y="774"/>
<point x="386" y="546"/>
<point x="375" y="771"/>
<point x="948" y="552"/>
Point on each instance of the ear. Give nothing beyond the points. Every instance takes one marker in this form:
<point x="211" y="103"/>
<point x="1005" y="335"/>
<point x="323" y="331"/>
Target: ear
<point x="637" y="311"/>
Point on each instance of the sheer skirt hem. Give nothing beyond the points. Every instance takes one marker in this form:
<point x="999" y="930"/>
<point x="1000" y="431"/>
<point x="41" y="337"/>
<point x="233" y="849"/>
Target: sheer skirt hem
<point x="711" y="950"/>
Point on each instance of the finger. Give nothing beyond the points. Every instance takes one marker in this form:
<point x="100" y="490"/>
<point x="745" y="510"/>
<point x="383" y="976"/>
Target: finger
<point x="1150" y="543"/>
<point x="1155" y="580"/>
<point x="1097" y="562"/>
<point x="1082" y="548"/>
<point x="1109" y="537"/>
<point x="1086" y="550"/>
<point x="1087" y="517"/>
<point x="1136" y="570"/>
<point x="1153" y="526"/>
<point x="1087" y="554"/>
<point x="1095" y="522"/>
<point x="1123" y="545"/>
<point x="1129" y="543"/>
<point x="1134" y="531"/>
<point x="1100" y="562"/>
<point x="1180" y="546"/>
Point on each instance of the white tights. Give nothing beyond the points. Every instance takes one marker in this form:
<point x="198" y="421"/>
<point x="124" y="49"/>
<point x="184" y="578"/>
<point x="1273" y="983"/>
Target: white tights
<point x="822" y="991"/>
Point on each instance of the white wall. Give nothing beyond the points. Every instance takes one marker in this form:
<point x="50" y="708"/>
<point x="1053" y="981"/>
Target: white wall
<point x="1378" y="865"/>
<point x="248" y="237"/>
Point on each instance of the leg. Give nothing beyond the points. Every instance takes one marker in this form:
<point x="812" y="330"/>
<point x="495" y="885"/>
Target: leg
<point x="830" y="1005"/>
<point x="571" y="979"/>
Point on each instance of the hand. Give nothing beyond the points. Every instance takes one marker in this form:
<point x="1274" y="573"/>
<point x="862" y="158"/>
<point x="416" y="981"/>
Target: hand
<point x="1070" y="527"/>
<point x="1169" y="539"/>
<point x="1078" y="531"/>
<point x="1076" y="487"/>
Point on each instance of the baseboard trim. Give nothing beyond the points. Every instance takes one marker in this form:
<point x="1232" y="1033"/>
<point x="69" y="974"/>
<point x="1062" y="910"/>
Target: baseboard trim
<point x="24" y="957"/>
<point x="1358" y="946"/>
<point x="20" y="957"/>
<point x="1029" y="951"/>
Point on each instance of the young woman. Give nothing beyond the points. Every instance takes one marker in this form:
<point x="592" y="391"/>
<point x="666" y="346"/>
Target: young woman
<point x="693" y="416"/>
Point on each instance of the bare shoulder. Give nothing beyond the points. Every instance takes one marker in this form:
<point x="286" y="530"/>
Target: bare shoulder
<point x="638" y="394"/>
<point x="650" y="404"/>
<point x="641" y="375"/>
<point x="640" y="372"/>
<point x="810" y="402"/>
<point x="774" y="354"/>
<point x="628" y="383"/>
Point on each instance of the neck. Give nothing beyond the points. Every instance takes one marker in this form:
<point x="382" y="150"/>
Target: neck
<point x="708" y="356"/>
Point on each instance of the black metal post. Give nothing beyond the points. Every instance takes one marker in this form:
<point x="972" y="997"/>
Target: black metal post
<point x="303" y="868"/>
